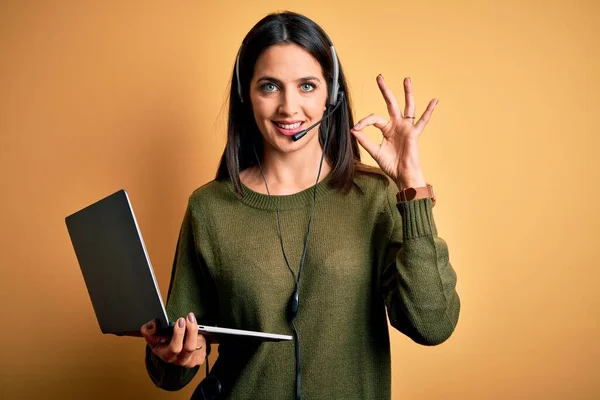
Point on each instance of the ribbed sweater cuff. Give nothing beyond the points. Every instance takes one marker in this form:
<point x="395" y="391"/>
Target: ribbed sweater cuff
<point x="417" y="218"/>
<point x="168" y="376"/>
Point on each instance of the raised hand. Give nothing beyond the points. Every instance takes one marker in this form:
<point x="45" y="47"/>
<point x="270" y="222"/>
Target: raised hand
<point x="398" y="153"/>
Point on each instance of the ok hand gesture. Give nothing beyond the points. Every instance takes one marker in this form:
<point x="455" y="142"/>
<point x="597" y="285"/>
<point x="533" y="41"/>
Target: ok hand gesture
<point x="398" y="153"/>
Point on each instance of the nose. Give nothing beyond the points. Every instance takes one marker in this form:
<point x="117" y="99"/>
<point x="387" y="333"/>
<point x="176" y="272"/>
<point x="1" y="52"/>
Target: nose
<point x="289" y="103"/>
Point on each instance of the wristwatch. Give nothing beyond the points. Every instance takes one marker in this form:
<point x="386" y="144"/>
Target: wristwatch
<point x="410" y="193"/>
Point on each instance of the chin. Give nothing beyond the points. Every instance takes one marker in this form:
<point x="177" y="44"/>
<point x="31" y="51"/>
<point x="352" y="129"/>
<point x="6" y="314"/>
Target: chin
<point x="285" y="144"/>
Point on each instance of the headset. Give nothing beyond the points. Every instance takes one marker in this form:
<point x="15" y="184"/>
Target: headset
<point x="210" y="387"/>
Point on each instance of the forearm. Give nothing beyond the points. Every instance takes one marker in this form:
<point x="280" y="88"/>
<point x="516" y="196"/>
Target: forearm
<point x="422" y="300"/>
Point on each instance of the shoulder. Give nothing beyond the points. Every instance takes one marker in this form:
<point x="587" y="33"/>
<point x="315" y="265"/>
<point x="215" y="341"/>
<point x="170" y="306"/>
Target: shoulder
<point x="207" y="203"/>
<point x="371" y="181"/>
<point x="212" y="189"/>
<point x="376" y="189"/>
<point x="212" y="194"/>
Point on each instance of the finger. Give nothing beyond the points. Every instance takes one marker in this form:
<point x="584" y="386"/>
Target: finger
<point x="176" y="344"/>
<point x="200" y="352"/>
<point x="373" y="119"/>
<point x="366" y="143"/>
<point x="184" y="358"/>
<point x="409" y="99"/>
<point x="390" y="99"/>
<point x="191" y="334"/>
<point x="201" y="342"/>
<point x="422" y="123"/>
<point x="148" y="331"/>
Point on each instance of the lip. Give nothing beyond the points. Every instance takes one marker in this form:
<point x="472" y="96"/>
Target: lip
<point x="288" y="132"/>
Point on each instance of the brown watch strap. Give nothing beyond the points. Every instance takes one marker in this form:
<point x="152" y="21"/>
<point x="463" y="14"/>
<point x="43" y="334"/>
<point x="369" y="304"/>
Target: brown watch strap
<point x="423" y="192"/>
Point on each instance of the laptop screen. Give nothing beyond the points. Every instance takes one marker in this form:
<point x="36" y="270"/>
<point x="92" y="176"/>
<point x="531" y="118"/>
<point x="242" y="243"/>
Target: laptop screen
<point x="115" y="266"/>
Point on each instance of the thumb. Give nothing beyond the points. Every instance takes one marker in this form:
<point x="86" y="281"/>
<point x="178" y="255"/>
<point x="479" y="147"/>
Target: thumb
<point x="148" y="332"/>
<point x="366" y="143"/>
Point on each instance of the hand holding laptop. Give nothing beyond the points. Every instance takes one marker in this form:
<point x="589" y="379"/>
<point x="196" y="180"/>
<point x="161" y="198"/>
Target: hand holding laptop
<point x="186" y="347"/>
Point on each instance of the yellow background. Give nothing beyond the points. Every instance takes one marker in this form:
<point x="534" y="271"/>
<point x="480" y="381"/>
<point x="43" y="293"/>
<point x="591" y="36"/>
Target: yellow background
<point x="96" y="96"/>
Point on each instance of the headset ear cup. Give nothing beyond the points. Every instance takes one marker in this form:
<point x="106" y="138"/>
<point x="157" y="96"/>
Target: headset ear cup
<point x="335" y="87"/>
<point x="331" y="99"/>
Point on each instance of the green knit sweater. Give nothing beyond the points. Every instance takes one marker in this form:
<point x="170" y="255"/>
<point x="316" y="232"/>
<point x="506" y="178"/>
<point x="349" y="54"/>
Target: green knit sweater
<point x="366" y="254"/>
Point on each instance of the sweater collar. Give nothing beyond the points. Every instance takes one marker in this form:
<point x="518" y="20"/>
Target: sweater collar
<point x="285" y="202"/>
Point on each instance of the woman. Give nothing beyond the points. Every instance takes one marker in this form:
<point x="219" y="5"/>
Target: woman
<point x="296" y="236"/>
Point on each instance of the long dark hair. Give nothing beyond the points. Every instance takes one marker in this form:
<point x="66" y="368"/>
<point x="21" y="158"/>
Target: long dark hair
<point x="243" y="135"/>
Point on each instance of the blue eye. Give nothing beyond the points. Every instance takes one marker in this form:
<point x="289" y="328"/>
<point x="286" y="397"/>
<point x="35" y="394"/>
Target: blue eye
<point x="268" y="88"/>
<point x="308" y="87"/>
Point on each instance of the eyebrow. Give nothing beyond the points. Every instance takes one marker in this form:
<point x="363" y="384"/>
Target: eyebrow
<point x="278" y="82"/>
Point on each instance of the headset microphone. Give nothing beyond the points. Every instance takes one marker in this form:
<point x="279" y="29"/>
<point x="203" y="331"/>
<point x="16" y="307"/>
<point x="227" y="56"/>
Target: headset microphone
<point x="303" y="132"/>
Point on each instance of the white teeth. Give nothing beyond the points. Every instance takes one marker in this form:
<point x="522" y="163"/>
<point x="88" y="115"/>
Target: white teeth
<point x="289" y="127"/>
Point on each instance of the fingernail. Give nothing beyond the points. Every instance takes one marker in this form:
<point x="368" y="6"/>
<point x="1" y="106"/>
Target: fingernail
<point x="150" y="325"/>
<point x="191" y="317"/>
<point x="181" y="322"/>
<point x="356" y="126"/>
<point x="409" y="81"/>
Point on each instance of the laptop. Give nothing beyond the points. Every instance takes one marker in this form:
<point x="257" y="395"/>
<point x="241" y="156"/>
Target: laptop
<point x="118" y="273"/>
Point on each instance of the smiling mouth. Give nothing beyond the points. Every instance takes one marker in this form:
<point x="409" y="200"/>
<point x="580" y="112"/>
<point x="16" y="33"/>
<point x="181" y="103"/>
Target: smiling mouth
<point x="288" y="129"/>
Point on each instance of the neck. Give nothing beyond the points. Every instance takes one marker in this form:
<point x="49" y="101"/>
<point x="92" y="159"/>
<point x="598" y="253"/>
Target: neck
<point x="287" y="173"/>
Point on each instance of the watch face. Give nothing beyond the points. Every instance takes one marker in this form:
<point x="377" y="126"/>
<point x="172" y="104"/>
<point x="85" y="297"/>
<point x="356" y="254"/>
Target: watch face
<point x="410" y="193"/>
